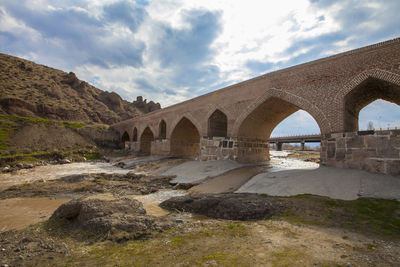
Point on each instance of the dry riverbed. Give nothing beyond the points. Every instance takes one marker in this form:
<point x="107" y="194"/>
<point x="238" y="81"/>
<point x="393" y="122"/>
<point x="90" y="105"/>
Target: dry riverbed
<point x="114" y="220"/>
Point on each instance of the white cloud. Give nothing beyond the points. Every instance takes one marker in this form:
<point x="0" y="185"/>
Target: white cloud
<point x="149" y="53"/>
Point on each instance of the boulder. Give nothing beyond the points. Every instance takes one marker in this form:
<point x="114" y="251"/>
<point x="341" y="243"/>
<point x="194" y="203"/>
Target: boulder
<point x="225" y="206"/>
<point x="115" y="218"/>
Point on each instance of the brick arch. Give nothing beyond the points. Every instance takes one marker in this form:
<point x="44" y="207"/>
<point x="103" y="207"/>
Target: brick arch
<point x="185" y="139"/>
<point x="358" y="79"/>
<point x="211" y="109"/>
<point x="144" y="128"/>
<point x="146" y="138"/>
<point x="290" y="98"/>
<point x="356" y="84"/>
<point x="188" y="116"/>
<point x="214" y="107"/>
<point x="125" y="137"/>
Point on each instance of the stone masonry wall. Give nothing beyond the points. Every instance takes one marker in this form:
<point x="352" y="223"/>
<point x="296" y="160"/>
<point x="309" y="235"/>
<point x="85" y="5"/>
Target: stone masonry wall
<point x="240" y="149"/>
<point x="217" y="148"/>
<point x="373" y="151"/>
<point x="160" y="147"/>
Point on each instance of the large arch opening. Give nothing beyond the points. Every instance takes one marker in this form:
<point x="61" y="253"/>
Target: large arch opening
<point x="379" y="115"/>
<point x="364" y="94"/>
<point x="163" y="130"/>
<point x="145" y="140"/>
<point x="185" y="139"/>
<point x="217" y="124"/>
<point x="298" y="132"/>
<point x="134" y="139"/>
<point x="255" y="131"/>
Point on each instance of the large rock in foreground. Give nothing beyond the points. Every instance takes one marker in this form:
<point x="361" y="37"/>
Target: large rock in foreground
<point x="225" y="206"/>
<point x="116" y="218"/>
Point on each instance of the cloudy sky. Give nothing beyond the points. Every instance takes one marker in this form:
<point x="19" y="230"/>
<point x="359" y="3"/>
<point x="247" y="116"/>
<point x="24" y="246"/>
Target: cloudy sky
<point x="172" y="50"/>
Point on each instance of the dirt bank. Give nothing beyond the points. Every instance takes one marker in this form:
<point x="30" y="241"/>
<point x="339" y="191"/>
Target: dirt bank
<point x="77" y="185"/>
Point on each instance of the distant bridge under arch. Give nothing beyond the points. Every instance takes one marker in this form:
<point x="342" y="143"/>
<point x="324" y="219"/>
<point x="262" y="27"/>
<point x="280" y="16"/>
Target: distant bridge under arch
<point x="236" y="122"/>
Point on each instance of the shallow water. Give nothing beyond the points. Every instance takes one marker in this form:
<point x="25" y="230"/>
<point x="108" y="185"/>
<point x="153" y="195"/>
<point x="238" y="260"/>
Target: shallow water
<point x="151" y="201"/>
<point x="18" y="213"/>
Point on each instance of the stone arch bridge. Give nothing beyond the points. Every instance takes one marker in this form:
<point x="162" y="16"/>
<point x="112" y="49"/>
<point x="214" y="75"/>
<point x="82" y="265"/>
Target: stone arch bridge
<point x="235" y="122"/>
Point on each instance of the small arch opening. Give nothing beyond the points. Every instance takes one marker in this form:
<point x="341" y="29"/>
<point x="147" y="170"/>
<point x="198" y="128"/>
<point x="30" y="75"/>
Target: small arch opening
<point x="134" y="139"/>
<point x="163" y="130"/>
<point x="217" y="124"/>
<point x="125" y="137"/>
<point x="145" y="141"/>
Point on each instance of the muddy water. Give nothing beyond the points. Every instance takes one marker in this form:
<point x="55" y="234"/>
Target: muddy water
<point x="18" y="213"/>
<point x="234" y="179"/>
<point x="56" y="171"/>
<point x="229" y="181"/>
<point x="151" y="201"/>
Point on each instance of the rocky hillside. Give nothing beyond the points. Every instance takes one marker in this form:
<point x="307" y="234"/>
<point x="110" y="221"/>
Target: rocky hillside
<point x="32" y="90"/>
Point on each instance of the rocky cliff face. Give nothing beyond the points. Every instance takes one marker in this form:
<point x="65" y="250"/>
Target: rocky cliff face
<point x="32" y="90"/>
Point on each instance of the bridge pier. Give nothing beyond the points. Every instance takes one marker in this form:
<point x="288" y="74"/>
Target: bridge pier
<point x="302" y="145"/>
<point x="279" y="146"/>
<point x="377" y="151"/>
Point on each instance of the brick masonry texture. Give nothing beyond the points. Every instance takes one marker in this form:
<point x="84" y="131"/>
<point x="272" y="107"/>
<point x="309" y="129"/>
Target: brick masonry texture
<point x="332" y="90"/>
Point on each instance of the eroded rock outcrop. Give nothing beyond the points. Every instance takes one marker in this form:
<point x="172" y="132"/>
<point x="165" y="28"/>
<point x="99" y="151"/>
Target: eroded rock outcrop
<point x="225" y="206"/>
<point x="113" y="217"/>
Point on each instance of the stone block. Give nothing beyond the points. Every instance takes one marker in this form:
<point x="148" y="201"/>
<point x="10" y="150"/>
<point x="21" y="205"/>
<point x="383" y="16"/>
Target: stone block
<point x="360" y="154"/>
<point x="393" y="167"/>
<point x="355" y="142"/>
<point x="395" y="132"/>
<point x="340" y="142"/>
<point x="370" y="141"/>
<point x="375" y="165"/>
<point x="331" y="150"/>
<point x="337" y="135"/>
<point x="340" y="154"/>
<point x="352" y="164"/>
<point x="385" y="149"/>
<point x="394" y="141"/>
<point x="351" y="134"/>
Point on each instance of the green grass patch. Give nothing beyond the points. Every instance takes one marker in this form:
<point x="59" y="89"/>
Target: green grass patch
<point x="366" y="215"/>
<point x="382" y="215"/>
<point x="70" y="124"/>
<point x="42" y="121"/>
<point x="6" y="129"/>
<point x="16" y="118"/>
<point x="26" y="155"/>
<point x="287" y="257"/>
<point x="236" y="230"/>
